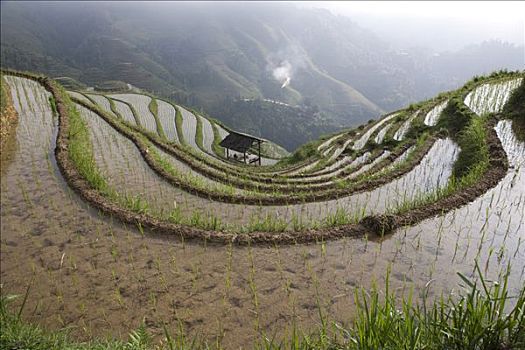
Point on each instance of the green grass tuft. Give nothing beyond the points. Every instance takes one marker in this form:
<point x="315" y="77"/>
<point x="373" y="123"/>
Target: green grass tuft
<point x="198" y="133"/>
<point x="178" y="124"/>
<point x="154" y="109"/>
<point x="473" y="159"/>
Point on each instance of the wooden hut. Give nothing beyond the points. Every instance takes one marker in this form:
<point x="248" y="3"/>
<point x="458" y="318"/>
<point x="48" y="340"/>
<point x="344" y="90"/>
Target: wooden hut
<point x="242" y="143"/>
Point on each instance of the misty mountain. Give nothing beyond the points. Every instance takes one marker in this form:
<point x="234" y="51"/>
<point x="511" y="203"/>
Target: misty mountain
<point x="220" y="56"/>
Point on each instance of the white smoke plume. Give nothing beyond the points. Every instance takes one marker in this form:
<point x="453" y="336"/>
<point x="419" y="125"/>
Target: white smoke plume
<point x="286" y="82"/>
<point x="283" y="73"/>
<point x="285" y="63"/>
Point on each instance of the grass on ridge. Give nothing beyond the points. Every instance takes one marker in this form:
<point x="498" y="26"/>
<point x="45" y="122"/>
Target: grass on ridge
<point x="178" y="124"/>
<point x="154" y="109"/>
<point x="469" y="168"/>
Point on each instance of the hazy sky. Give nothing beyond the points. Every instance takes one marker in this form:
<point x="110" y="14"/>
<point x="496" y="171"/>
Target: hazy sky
<point x="441" y="25"/>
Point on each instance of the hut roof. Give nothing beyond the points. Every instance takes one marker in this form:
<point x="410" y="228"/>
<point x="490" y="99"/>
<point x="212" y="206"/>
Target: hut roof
<point x="239" y="142"/>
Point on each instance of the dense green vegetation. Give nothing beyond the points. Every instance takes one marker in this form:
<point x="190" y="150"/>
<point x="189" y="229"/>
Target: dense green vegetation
<point x="477" y="318"/>
<point x="455" y="117"/>
<point x="178" y="124"/>
<point x="515" y="107"/>
<point x="198" y="134"/>
<point x="474" y="154"/>
<point x="515" y="110"/>
<point x="111" y="85"/>
<point x="70" y="83"/>
<point x="8" y="116"/>
<point x="217" y="149"/>
<point x="81" y="150"/>
<point x="469" y="132"/>
<point x="308" y="150"/>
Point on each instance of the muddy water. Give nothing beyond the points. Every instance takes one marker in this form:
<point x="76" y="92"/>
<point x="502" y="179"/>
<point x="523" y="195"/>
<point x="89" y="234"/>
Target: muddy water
<point x="490" y="229"/>
<point x="100" y="278"/>
<point x="126" y="171"/>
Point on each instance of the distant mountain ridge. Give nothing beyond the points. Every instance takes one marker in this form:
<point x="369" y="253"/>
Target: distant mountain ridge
<point x="214" y="55"/>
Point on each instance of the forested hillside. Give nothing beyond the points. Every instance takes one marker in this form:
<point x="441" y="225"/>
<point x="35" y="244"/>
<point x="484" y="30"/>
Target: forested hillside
<point x="214" y="56"/>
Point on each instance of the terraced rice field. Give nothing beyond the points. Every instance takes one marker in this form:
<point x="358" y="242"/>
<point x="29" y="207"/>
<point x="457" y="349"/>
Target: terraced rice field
<point x="207" y="135"/>
<point x="101" y="101"/>
<point x="141" y="104"/>
<point x="79" y="96"/>
<point x="189" y="127"/>
<point x="403" y="129"/>
<point x="124" y="112"/>
<point x="145" y="230"/>
<point x="432" y="117"/>
<point x="490" y="98"/>
<point x="360" y="143"/>
<point x="166" y="115"/>
<point x="381" y="134"/>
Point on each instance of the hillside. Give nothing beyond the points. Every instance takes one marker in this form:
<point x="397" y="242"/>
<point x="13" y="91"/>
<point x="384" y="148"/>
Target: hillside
<point x="214" y="55"/>
<point x="127" y="214"/>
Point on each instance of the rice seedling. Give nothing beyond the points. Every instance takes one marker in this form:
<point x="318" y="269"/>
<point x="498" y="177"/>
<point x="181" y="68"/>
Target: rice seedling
<point x="253" y="289"/>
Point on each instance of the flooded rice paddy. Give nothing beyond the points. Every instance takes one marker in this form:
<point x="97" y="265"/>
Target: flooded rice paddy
<point x="432" y="117"/>
<point x="491" y="97"/>
<point x="98" y="277"/>
<point x="127" y="172"/>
